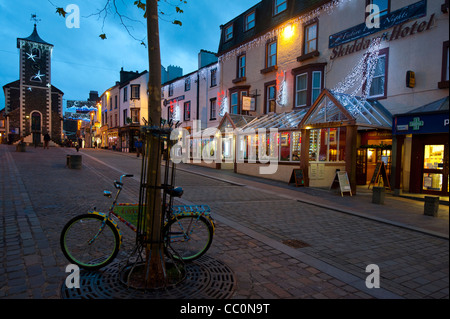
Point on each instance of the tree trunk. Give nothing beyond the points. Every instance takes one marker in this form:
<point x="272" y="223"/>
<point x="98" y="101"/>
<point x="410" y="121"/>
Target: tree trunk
<point x="155" y="266"/>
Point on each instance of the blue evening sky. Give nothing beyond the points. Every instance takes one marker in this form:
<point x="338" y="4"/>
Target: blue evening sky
<point x="82" y="62"/>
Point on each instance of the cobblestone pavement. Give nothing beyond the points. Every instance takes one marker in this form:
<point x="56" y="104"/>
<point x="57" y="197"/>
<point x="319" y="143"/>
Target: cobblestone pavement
<point x="278" y="241"/>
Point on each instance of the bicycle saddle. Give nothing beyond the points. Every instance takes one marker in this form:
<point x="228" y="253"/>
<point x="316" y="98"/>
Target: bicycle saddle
<point x="175" y="192"/>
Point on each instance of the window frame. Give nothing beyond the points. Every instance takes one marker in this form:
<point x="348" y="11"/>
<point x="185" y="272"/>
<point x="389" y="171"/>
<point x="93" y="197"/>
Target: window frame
<point x="309" y="69"/>
<point x="228" y="35"/>
<point x="187" y="84"/>
<point x="247" y="22"/>
<point x="276" y="7"/>
<point x="383" y="52"/>
<point x="267" y="99"/>
<point x="268" y="55"/>
<point x="213" y="107"/>
<point x="135" y="88"/>
<point x="213" y="77"/>
<point x="241" y="69"/>
<point x="125" y="93"/>
<point x="187" y="114"/>
<point x="306" y="40"/>
<point x="240" y="91"/>
<point x="444" y="83"/>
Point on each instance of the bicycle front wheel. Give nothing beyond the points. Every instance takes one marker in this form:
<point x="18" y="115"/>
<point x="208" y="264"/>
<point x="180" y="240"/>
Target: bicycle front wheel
<point x="89" y="243"/>
<point x="188" y="236"/>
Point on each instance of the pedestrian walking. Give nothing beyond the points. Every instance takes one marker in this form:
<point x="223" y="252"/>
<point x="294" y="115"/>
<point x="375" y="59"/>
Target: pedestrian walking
<point x="46" y="140"/>
<point x="138" y="145"/>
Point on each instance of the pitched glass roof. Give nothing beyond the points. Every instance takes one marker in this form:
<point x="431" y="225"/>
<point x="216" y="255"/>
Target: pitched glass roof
<point x="286" y="120"/>
<point x="334" y="107"/>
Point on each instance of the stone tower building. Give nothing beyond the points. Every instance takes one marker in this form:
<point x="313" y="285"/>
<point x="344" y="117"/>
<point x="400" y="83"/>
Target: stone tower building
<point x="33" y="105"/>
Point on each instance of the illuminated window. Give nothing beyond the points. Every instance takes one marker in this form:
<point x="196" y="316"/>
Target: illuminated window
<point x="187" y="111"/>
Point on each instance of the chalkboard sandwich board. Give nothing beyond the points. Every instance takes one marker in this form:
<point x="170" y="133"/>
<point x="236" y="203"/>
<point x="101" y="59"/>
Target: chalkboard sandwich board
<point x="297" y="178"/>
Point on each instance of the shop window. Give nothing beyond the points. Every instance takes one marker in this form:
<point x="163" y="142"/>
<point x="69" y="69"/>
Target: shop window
<point x="285" y="149"/>
<point x="327" y="145"/>
<point x="296" y="145"/>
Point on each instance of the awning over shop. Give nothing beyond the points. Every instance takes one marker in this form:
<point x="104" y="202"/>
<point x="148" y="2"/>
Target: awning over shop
<point x="233" y="121"/>
<point x="344" y="109"/>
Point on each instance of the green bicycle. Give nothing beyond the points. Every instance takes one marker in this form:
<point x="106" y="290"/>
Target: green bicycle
<point x="93" y="240"/>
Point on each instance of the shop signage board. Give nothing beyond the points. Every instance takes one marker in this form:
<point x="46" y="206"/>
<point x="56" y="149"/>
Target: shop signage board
<point x="413" y="11"/>
<point x="341" y="180"/>
<point x="297" y="177"/>
<point x="421" y="123"/>
<point x="380" y="171"/>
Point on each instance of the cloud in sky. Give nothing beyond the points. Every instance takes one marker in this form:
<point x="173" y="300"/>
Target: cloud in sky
<point x="82" y="62"/>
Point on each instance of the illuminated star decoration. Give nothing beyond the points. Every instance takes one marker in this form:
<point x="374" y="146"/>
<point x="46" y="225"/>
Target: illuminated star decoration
<point x="29" y="89"/>
<point x="31" y="56"/>
<point x="39" y="76"/>
<point x="49" y="85"/>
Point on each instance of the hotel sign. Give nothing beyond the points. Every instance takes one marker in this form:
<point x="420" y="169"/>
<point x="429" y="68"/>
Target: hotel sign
<point x="413" y="11"/>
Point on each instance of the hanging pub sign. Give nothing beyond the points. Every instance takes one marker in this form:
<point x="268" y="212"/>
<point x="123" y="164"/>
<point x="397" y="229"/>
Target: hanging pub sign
<point x="397" y="17"/>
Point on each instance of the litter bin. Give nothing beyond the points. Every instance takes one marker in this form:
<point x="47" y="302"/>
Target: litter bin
<point x="378" y="195"/>
<point x="431" y="207"/>
<point x="74" y="161"/>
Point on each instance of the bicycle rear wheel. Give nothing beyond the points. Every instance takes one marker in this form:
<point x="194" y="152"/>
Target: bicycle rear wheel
<point x="86" y="244"/>
<point x="188" y="236"/>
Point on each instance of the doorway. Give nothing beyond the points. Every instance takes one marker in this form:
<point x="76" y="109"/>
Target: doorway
<point x="36" y="128"/>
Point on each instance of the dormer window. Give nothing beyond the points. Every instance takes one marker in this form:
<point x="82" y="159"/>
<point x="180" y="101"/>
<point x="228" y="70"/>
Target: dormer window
<point x="249" y="21"/>
<point x="279" y="6"/>
<point x="229" y="32"/>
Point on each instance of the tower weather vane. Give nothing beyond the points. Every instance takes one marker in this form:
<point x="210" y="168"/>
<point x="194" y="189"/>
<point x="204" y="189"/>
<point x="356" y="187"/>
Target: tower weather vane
<point x="35" y="18"/>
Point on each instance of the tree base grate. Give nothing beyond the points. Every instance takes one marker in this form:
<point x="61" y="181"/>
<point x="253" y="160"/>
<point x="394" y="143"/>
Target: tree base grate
<point x="206" y="278"/>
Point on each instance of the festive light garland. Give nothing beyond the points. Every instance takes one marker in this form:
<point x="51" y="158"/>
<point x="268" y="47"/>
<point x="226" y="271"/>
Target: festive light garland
<point x="262" y="40"/>
<point x="359" y="80"/>
<point x="281" y="86"/>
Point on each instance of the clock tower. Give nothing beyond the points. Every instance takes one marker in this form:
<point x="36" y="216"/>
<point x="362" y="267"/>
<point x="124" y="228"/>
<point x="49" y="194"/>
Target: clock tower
<point x="33" y="104"/>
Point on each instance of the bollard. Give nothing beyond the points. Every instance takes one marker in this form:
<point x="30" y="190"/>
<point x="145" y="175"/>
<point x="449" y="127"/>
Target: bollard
<point x="431" y="207"/>
<point x="74" y="161"/>
<point x="378" y="195"/>
<point x="20" y="147"/>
